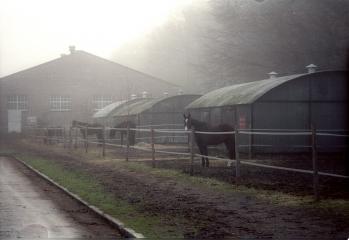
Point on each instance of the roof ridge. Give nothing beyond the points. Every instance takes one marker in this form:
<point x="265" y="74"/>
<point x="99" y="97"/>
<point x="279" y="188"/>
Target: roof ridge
<point x="92" y="55"/>
<point x="129" y="68"/>
<point x="33" y="67"/>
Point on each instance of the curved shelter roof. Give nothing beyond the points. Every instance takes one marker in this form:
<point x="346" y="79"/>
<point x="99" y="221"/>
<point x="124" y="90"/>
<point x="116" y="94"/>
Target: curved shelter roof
<point x="109" y="110"/>
<point x="104" y="112"/>
<point x="135" y="108"/>
<point x="238" y="94"/>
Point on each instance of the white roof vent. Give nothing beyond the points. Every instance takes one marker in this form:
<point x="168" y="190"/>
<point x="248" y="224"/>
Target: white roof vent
<point x="144" y="94"/>
<point x="71" y="49"/>
<point x="272" y="75"/>
<point x="311" y="68"/>
<point x="133" y="96"/>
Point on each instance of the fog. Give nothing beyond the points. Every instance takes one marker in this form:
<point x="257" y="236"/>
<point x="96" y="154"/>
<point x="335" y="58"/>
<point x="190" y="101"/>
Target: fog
<point x="199" y="44"/>
<point x="218" y="43"/>
<point x="36" y="31"/>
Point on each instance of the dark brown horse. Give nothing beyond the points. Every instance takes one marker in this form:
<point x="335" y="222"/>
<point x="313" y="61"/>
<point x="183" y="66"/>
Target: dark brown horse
<point x="205" y="140"/>
<point x="89" y="129"/>
<point x="125" y="125"/>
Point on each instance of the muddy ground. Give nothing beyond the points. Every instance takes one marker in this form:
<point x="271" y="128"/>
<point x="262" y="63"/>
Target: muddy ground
<point x="216" y="214"/>
<point x="300" y="184"/>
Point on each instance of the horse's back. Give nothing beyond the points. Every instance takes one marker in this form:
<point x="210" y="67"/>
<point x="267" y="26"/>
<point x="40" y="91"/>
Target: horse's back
<point x="225" y="127"/>
<point x="215" y="139"/>
<point x="219" y="128"/>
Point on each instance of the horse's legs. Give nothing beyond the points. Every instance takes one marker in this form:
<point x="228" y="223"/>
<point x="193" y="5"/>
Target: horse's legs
<point x="132" y="138"/>
<point x="202" y="152"/>
<point x="83" y="133"/>
<point x="230" y="145"/>
<point x="100" y="138"/>
<point x="206" y="158"/>
<point x="202" y="160"/>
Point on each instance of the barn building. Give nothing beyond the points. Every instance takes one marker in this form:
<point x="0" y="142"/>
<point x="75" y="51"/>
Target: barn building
<point x="73" y="86"/>
<point x="318" y="98"/>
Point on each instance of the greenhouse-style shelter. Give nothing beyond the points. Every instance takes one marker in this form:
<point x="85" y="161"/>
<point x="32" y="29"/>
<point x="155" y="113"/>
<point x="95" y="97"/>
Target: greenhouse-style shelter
<point x="105" y="115"/>
<point x="282" y="103"/>
<point x="164" y="112"/>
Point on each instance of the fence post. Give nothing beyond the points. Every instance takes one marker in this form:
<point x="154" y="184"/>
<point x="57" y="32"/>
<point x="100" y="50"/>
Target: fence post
<point x="103" y="146"/>
<point x="64" y="138"/>
<point x="70" y="138"/>
<point x="127" y="141"/>
<point x="250" y="142"/>
<point x="46" y="136"/>
<point x="152" y="147"/>
<point x="315" y="165"/>
<point x="42" y="135"/>
<point x="86" y="139"/>
<point x="191" y="136"/>
<point x="76" y="138"/>
<point x="55" y="136"/>
<point x="237" y="157"/>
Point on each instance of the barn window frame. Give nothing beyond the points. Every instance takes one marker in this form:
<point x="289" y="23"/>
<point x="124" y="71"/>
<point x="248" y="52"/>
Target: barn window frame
<point x="60" y="103"/>
<point x="100" y="101"/>
<point x="17" y="102"/>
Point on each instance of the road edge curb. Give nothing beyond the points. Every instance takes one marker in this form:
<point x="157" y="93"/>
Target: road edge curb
<point x="125" y="231"/>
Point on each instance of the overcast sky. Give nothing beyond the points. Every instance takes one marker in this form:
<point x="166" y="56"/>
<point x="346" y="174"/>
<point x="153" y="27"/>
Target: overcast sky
<point x="36" y="31"/>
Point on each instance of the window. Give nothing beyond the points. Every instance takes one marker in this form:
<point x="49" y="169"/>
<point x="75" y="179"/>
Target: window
<point x="60" y="103"/>
<point x="17" y="102"/>
<point x="100" y="102"/>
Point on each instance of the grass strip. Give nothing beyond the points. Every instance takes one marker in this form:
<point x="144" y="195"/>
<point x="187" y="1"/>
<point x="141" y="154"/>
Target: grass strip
<point x="91" y="191"/>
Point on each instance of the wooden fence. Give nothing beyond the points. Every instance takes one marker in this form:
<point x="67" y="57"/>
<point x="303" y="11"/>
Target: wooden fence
<point x="71" y="140"/>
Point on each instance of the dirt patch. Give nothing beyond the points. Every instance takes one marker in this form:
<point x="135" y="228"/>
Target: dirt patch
<point x="214" y="214"/>
<point x="299" y="184"/>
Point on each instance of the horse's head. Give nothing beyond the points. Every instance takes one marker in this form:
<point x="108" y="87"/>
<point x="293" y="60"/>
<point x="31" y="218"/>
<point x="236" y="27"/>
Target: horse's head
<point x="187" y="122"/>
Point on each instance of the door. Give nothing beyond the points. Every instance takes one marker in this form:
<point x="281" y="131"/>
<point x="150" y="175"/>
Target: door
<point x="14" y="121"/>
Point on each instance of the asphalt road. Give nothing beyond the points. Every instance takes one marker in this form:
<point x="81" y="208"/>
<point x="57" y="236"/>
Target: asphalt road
<point x="31" y="208"/>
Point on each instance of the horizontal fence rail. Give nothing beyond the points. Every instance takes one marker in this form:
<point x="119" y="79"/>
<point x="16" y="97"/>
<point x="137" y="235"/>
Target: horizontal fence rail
<point x="160" y="125"/>
<point x="332" y="135"/>
<point x="277" y="133"/>
<point x="215" y="133"/>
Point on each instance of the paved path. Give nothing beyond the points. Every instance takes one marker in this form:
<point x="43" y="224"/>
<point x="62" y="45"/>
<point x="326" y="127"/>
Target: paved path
<point x="32" y="208"/>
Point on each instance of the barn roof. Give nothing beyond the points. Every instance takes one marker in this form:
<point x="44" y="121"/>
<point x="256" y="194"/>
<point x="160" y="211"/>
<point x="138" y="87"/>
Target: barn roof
<point x="244" y="93"/>
<point x="134" y="108"/>
<point x="107" y="110"/>
<point x="80" y="56"/>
